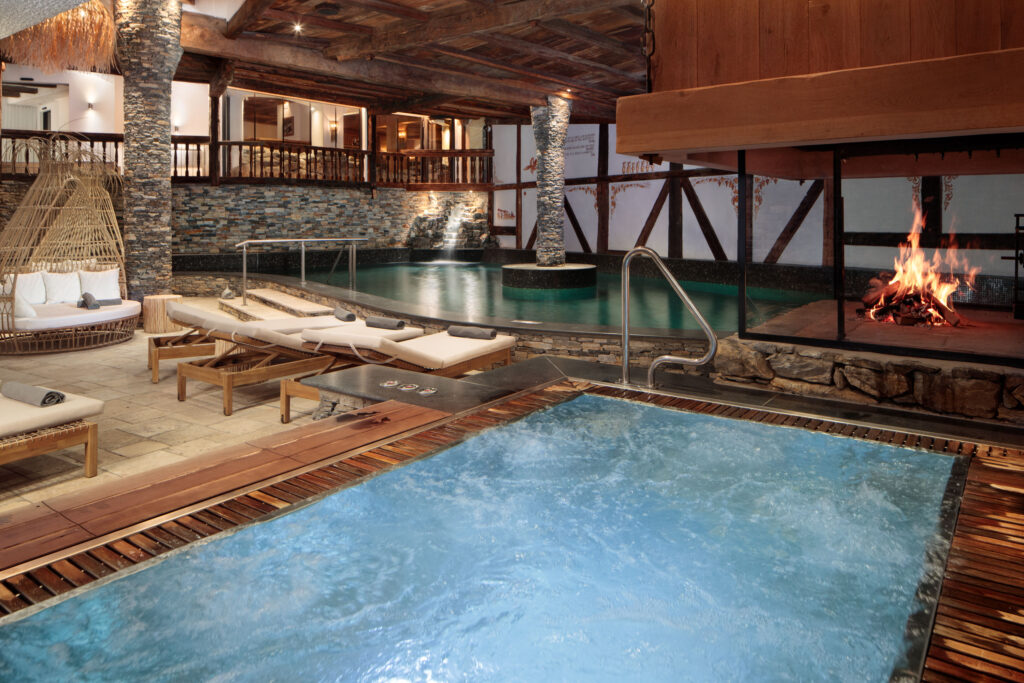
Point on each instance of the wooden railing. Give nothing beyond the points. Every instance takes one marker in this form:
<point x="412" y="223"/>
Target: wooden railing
<point x="436" y="168"/>
<point x="190" y="158"/>
<point x="259" y="161"/>
<point x="18" y="159"/>
<point x="274" y="162"/>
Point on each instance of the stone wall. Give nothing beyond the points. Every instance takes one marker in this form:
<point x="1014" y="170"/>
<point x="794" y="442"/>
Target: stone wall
<point x="212" y="219"/>
<point x="962" y="389"/>
<point x="11" y="194"/>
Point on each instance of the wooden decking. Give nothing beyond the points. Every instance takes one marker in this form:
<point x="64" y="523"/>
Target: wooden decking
<point x="979" y="626"/>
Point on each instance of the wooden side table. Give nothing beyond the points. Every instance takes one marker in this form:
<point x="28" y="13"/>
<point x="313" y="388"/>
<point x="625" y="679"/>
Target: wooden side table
<point x="154" y="316"/>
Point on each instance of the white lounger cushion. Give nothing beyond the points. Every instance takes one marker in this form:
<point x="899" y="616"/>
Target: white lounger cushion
<point x="55" y="316"/>
<point x="17" y="417"/>
<point x="197" y="317"/>
<point x="431" y="351"/>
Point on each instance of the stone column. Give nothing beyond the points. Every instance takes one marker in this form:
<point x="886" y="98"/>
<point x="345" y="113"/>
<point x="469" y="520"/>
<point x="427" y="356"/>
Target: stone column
<point x="149" y="48"/>
<point x="550" y="125"/>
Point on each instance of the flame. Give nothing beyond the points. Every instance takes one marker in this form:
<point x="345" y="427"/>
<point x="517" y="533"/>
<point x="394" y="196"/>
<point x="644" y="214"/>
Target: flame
<point x="922" y="279"/>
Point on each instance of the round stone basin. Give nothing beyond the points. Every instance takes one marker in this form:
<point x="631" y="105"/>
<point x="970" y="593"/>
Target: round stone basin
<point x="565" y="276"/>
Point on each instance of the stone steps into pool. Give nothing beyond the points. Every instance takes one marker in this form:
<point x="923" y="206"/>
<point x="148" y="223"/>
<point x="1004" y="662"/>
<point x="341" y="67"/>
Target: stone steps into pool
<point x="288" y="303"/>
<point x="253" y="310"/>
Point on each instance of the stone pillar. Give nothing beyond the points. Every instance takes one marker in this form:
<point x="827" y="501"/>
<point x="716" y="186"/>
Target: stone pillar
<point x="149" y="49"/>
<point x="550" y="125"/>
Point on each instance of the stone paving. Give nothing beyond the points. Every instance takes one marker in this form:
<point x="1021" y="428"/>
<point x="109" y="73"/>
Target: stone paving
<point x="143" y="425"/>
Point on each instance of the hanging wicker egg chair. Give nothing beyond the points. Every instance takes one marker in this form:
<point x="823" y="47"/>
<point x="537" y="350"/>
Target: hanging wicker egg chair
<point x="65" y="224"/>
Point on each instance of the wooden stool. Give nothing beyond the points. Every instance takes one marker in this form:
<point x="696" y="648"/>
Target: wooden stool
<point x="154" y="316"/>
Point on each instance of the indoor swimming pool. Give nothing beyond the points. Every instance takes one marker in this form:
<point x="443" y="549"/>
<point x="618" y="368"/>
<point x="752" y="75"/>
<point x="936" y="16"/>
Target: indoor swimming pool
<point x="475" y="290"/>
<point x="598" y="540"/>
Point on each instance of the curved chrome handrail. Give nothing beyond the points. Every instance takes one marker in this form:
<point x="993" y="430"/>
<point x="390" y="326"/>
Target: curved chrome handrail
<point x="681" y="293"/>
<point x="352" y="241"/>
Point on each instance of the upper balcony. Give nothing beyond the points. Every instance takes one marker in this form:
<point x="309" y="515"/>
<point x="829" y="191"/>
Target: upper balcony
<point x="277" y="163"/>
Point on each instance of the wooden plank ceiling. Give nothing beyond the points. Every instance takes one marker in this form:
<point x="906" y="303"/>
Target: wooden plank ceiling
<point x="462" y="58"/>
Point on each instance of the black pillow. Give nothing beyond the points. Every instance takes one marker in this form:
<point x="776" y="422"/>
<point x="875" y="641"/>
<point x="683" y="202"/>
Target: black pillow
<point x="344" y="315"/>
<point x="88" y="301"/>
<point x="384" y="323"/>
<point x="472" y="332"/>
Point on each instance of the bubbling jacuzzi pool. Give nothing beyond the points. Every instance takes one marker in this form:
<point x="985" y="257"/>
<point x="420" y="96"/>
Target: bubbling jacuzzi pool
<point x="597" y="540"/>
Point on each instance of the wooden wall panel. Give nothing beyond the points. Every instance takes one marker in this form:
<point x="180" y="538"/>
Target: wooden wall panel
<point x="674" y="61"/>
<point x="782" y="26"/>
<point x="884" y="31"/>
<point x="1011" y="24"/>
<point x="833" y="28"/>
<point x="977" y="25"/>
<point x="726" y="41"/>
<point x="932" y="28"/>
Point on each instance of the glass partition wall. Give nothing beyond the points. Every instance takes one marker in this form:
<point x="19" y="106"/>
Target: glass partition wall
<point x="903" y="247"/>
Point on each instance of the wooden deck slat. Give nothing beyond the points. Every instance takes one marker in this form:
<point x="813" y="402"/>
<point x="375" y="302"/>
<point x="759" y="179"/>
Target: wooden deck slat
<point x="49" y="579"/>
<point x="29" y="589"/>
<point x="71" y="573"/>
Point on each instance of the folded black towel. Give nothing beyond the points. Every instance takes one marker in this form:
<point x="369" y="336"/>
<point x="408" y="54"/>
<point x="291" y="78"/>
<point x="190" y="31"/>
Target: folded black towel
<point x="108" y="302"/>
<point x="384" y="323"/>
<point x="31" y="394"/>
<point x="344" y="315"/>
<point x="88" y="301"/>
<point x="472" y="332"/>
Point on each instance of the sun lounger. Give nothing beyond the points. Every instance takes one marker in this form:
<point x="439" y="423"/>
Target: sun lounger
<point x="438" y="354"/>
<point x="27" y="430"/>
<point x="256" y="351"/>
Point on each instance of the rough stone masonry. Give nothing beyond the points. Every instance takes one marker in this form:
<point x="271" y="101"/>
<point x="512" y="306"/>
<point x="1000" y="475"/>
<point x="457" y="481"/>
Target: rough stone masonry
<point x="550" y="125"/>
<point x="149" y="50"/>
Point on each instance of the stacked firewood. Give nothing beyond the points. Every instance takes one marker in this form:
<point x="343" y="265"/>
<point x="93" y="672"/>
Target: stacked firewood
<point x="884" y="303"/>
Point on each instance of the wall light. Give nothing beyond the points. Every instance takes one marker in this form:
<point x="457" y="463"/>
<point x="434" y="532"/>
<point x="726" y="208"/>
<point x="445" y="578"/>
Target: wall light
<point x="297" y="27"/>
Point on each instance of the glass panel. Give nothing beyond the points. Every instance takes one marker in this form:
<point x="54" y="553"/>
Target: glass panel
<point x="789" y="275"/>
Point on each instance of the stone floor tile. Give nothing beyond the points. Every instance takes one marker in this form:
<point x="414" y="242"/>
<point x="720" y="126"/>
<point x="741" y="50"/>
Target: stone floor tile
<point x="139" y="448"/>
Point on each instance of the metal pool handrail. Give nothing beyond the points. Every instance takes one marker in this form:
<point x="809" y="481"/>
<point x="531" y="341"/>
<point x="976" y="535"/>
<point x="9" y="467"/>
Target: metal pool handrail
<point x="681" y="293"/>
<point x="352" y="242"/>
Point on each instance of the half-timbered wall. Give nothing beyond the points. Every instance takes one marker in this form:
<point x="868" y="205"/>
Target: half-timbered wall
<point x="711" y="42"/>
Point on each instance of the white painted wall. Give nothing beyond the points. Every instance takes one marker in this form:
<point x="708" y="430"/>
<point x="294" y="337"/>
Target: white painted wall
<point x="190" y="108"/>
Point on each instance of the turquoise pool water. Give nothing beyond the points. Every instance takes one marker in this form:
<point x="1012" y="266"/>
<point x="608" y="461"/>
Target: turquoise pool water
<point x="475" y="289"/>
<point x="599" y="540"/>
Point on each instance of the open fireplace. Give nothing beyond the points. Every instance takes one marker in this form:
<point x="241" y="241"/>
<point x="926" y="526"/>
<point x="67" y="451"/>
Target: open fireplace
<point x="908" y="247"/>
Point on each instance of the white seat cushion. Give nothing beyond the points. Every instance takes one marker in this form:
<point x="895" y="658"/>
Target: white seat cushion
<point x="18" y="418"/>
<point x="193" y="316"/>
<point x="54" y="316"/>
<point x="62" y="288"/>
<point x="102" y="284"/>
<point x="340" y="334"/>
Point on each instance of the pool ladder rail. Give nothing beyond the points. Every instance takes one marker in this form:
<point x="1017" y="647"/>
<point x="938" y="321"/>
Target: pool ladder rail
<point x="681" y="293"/>
<point x="350" y="241"/>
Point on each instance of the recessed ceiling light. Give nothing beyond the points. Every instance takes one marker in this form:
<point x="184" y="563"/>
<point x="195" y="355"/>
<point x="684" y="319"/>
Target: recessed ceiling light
<point x="298" y="27"/>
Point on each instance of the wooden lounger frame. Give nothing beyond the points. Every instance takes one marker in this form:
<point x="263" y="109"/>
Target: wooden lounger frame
<point x="295" y="389"/>
<point x="250" y="361"/>
<point x="190" y="344"/>
<point x="50" y="439"/>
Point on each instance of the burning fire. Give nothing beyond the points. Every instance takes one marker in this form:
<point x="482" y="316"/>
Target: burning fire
<point x="918" y="293"/>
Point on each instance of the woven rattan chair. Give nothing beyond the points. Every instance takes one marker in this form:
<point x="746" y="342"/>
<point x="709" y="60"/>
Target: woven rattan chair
<point x="65" y="223"/>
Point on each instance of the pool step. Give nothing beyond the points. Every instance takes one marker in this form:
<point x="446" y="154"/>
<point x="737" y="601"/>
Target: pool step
<point x="288" y="303"/>
<point x="254" y="310"/>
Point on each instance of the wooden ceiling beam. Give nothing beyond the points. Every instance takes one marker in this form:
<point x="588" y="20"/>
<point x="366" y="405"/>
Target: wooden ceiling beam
<point x="302" y="80"/>
<point x="312" y="20"/>
<point x="410" y="104"/>
<point x="558" y="56"/>
<point x="391" y="8"/>
<point x="205" y="35"/>
<point x="583" y="34"/>
<point x="245" y="16"/>
<point x="522" y="71"/>
<point x="443" y="26"/>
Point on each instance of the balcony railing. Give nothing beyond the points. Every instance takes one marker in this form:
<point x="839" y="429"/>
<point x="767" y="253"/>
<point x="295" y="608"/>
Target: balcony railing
<point x="436" y="168"/>
<point x="271" y="162"/>
<point x="259" y="161"/>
